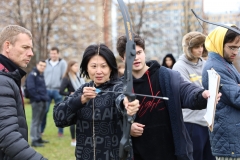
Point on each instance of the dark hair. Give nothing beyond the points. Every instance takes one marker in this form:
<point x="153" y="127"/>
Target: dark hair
<point x="70" y="64"/>
<point x="230" y="35"/>
<point x="104" y="52"/>
<point x="122" y="40"/>
<point x="41" y="61"/>
<point x="171" y="57"/>
<point x="55" y="48"/>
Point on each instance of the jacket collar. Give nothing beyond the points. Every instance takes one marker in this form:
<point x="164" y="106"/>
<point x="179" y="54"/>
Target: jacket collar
<point x="218" y="57"/>
<point x="10" y="66"/>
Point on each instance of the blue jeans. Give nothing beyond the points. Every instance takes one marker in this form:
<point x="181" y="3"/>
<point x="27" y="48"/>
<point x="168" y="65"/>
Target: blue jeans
<point x="53" y="94"/>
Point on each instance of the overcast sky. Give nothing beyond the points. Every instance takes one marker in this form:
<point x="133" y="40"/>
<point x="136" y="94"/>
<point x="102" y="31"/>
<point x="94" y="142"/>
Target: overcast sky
<point x="223" y="6"/>
<point x="212" y="5"/>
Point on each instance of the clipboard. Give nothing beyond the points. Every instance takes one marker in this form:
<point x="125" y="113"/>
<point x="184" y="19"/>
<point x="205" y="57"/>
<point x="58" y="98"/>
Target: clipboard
<point x="213" y="87"/>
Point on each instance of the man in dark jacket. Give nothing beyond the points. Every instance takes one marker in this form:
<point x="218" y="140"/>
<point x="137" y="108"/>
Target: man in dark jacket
<point x="159" y="131"/>
<point x="16" y="52"/>
<point x="38" y="97"/>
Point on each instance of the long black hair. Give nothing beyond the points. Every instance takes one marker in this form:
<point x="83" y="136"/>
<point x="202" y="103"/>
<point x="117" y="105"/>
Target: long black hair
<point x="104" y="52"/>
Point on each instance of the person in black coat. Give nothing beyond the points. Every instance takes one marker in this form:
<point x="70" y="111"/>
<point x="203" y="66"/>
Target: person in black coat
<point x="158" y="131"/>
<point x="97" y="115"/>
<point x="71" y="81"/>
<point x="16" y="52"/>
<point x="168" y="61"/>
<point x="37" y="90"/>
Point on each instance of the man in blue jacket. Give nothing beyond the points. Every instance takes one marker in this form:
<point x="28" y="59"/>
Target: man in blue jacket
<point x="159" y="131"/>
<point x="38" y="97"/>
<point x="223" y="47"/>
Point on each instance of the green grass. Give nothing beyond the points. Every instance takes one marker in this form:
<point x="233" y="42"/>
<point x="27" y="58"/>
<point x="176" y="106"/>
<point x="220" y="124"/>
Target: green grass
<point x="58" y="148"/>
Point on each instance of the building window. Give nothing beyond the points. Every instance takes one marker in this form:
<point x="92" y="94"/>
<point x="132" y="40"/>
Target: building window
<point x="93" y="17"/>
<point x="82" y="8"/>
<point x="92" y="8"/>
<point x="83" y="19"/>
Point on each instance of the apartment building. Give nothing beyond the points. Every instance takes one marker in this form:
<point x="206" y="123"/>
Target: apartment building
<point x="162" y="24"/>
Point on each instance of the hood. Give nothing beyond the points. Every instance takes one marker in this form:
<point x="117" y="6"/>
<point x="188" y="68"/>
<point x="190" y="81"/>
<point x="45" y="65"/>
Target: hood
<point x="153" y="67"/>
<point x="199" y="64"/>
<point x="214" y="40"/>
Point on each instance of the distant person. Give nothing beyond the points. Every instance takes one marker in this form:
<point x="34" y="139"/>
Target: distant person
<point x="53" y="75"/>
<point x="190" y="65"/>
<point x="71" y="81"/>
<point x="16" y="52"/>
<point x="97" y="115"/>
<point x="38" y="97"/>
<point x="168" y="61"/>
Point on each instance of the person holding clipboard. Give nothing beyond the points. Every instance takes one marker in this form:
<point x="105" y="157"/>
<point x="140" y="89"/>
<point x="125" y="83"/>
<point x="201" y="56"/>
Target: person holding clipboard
<point x="223" y="46"/>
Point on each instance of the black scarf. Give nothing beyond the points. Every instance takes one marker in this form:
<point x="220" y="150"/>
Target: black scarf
<point x="10" y="66"/>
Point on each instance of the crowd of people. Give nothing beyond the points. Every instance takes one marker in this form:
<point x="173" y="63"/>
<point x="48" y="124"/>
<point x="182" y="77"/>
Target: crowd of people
<point x="173" y="129"/>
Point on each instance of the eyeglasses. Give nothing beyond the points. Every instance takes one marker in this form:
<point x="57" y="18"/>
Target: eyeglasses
<point x="234" y="49"/>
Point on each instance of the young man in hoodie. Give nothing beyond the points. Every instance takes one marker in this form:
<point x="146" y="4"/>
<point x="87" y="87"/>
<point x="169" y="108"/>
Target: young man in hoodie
<point x="158" y="131"/>
<point x="190" y="66"/>
<point x="53" y="75"/>
<point x="223" y="47"/>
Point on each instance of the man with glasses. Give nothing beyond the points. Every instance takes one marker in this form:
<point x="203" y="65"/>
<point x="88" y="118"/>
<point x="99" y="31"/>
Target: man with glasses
<point x="223" y="46"/>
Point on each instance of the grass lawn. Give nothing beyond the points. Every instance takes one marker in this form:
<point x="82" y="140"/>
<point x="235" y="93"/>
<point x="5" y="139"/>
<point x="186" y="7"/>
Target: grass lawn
<point x="58" y="148"/>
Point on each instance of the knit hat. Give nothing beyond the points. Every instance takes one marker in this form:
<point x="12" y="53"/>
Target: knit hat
<point x="191" y="40"/>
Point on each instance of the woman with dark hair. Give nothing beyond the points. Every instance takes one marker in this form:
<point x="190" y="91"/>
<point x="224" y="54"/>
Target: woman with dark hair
<point x="71" y="81"/>
<point x="96" y="112"/>
<point x="168" y="61"/>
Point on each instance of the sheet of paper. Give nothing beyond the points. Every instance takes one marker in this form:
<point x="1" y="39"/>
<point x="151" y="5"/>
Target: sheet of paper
<point x="213" y="86"/>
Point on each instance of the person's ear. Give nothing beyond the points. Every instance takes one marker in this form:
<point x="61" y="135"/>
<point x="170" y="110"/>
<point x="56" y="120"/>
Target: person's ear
<point x="7" y="45"/>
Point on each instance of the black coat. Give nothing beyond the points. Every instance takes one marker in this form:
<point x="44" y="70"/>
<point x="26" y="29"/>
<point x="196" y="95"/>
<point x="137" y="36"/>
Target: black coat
<point x="36" y="86"/>
<point x="13" y="126"/>
<point x="181" y="94"/>
<point x="66" y="83"/>
<point x="108" y="110"/>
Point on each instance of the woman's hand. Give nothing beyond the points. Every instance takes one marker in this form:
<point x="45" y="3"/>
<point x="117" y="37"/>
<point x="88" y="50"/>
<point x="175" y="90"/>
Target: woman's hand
<point x="131" y="107"/>
<point x="88" y="93"/>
